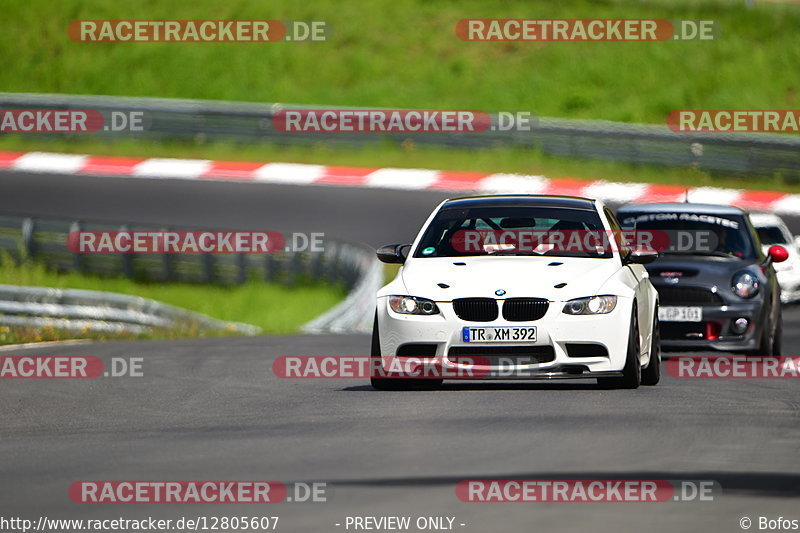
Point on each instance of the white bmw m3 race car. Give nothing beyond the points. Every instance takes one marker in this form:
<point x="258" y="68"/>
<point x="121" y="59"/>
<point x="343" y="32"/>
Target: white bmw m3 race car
<point x="517" y="287"/>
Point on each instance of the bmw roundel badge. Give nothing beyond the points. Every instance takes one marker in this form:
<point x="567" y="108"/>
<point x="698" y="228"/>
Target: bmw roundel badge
<point x="499" y="292"/>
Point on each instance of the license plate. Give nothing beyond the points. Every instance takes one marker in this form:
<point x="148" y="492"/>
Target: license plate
<point x="680" y="314"/>
<point x="527" y="334"/>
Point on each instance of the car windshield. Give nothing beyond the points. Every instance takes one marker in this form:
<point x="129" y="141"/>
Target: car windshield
<point x="697" y="233"/>
<point x="770" y="235"/>
<point x="514" y="230"/>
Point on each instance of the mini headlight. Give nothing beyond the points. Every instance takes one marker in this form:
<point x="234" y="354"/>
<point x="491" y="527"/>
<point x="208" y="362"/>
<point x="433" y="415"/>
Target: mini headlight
<point x="593" y="305"/>
<point x="744" y="285"/>
<point x="411" y="305"/>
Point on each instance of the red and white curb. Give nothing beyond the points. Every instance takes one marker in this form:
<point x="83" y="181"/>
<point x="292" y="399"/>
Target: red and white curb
<point x="390" y="178"/>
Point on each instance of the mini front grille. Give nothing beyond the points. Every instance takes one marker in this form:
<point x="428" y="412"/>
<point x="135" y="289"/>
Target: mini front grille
<point x="687" y="296"/>
<point x="674" y="272"/>
<point x="476" y="309"/>
<point x="501" y="355"/>
<point x="681" y="331"/>
<point x="524" y="309"/>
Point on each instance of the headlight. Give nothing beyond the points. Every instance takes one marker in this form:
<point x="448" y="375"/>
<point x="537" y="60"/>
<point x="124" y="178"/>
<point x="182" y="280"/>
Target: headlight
<point x="411" y="305"/>
<point x="744" y="285"/>
<point x="593" y="305"/>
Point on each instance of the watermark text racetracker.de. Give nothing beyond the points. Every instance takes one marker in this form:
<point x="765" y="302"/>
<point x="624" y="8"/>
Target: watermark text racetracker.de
<point x="70" y="121"/>
<point x="199" y="31"/>
<point x="192" y="242"/>
<point x="735" y="120"/>
<point x="197" y="492"/>
<point x="586" y="30"/>
<point x="733" y="367"/>
<point x="400" y="121"/>
<point x="586" y="490"/>
<point x="578" y="241"/>
<point x="362" y="367"/>
<point x="68" y="366"/>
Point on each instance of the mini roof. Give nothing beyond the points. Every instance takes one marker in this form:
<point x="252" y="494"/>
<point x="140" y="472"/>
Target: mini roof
<point x="706" y="209"/>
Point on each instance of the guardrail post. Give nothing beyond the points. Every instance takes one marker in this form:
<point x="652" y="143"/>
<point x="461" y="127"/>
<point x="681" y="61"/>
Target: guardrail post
<point x="697" y="150"/>
<point x="208" y="267"/>
<point x="241" y="268"/>
<point x="338" y="271"/>
<point x="126" y="259"/>
<point x="314" y="264"/>
<point x="28" y="237"/>
<point x="282" y="268"/>
<point x="77" y="258"/>
<point x="292" y="269"/>
<point x="346" y="267"/>
<point x="269" y="267"/>
<point x="308" y="263"/>
<point x="326" y="258"/>
<point x="167" y="264"/>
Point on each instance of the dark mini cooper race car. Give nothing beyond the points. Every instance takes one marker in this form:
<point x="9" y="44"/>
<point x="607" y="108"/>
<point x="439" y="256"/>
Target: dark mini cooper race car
<point x="716" y="287"/>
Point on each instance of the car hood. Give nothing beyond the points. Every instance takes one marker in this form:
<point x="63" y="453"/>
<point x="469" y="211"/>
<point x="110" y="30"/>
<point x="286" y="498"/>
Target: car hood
<point x="532" y="277"/>
<point x="704" y="271"/>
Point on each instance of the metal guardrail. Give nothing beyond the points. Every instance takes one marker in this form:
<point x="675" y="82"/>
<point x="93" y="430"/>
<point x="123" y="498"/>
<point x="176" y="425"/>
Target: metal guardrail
<point x="45" y="240"/>
<point x="83" y="310"/>
<point x="200" y="120"/>
<point x="355" y="313"/>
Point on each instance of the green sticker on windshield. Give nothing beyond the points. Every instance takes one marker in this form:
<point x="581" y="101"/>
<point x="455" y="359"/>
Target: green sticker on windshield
<point x="429" y="250"/>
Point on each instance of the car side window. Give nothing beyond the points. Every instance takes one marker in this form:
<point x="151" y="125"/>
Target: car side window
<point x="623" y="247"/>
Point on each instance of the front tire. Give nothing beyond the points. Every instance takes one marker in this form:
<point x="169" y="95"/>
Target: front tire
<point x="632" y="371"/>
<point x="651" y="374"/>
<point x="395" y="384"/>
<point x="770" y="342"/>
<point x="777" y="345"/>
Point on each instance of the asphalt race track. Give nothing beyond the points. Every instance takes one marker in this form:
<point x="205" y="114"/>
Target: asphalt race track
<point x="213" y="410"/>
<point x="344" y="212"/>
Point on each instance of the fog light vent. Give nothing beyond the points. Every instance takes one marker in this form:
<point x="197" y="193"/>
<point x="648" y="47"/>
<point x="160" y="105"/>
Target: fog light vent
<point x="739" y="325"/>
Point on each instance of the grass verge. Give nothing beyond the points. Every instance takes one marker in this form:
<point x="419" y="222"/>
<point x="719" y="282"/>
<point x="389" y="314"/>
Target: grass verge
<point x="274" y="308"/>
<point x="405" y="53"/>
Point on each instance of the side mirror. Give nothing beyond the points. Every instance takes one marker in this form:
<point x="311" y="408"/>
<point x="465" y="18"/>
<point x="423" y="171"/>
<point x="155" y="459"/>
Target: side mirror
<point x="392" y="253"/>
<point x="641" y="257"/>
<point x="778" y="254"/>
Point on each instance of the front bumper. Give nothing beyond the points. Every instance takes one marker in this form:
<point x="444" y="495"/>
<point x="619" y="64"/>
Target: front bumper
<point x="714" y="332"/>
<point x="443" y="339"/>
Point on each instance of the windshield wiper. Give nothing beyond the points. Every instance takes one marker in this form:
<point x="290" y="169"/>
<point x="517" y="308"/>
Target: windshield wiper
<point x="714" y="253"/>
<point x="513" y="252"/>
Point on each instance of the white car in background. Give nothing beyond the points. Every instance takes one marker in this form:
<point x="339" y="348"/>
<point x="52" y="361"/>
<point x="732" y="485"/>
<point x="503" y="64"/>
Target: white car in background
<point x="771" y="231"/>
<point x="520" y="313"/>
